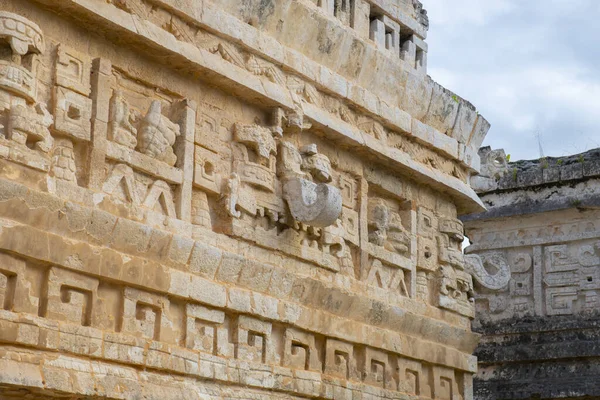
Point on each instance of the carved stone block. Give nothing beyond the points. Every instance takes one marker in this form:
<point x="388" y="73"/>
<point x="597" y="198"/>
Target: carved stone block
<point x="393" y="279"/>
<point x="71" y="296"/>
<point x="349" y="189"/>
<point x="205" y="331"/>
<point x="253" y="340"/>
<point x="63" y="161"/>
<point x="445" y="384"/>
<point x="413" y="378"/>
<point x="157" y="135"/>
<point x="16" y="293"/>
<point x="73" y="70"/>
<point x="206" y="170"/>
<point x="340" y="359"/>
<point x="351" y="222"/>
<point x="72" y="113"/>
<point x="300" y="351"/>
<point x="257" y="139"/>
<point x="318" y="205"/>
<point x="376" y="369"/>
<point x="160" y="198"/>
<point x="144" y="314"/>
<point x="29" y="125"/>
<point x="560" y="300"/>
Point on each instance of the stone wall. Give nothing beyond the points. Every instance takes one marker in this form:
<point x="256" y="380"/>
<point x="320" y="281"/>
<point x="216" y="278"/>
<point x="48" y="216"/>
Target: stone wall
<point x="231" y="199"/>
<point x="537" y="266"/>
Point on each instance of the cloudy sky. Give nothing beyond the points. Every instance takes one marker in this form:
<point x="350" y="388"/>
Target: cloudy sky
<point x="530" y="67"/>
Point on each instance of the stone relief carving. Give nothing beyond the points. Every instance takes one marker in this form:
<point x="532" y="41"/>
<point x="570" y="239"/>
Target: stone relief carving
<point x="148" y="328"/>
<point x="307" y="203"/>
<point x="571" y="278"/>
<point x="71" y="297"/>
<point x="493" y="167"/>
<point x="63" y="161"/>
<point x="456" y="284"/>
<point x="28" y="121"/>
<point x="72" y="113"/>
<point x="392" y="279"/>
<point x="568" y="273"/>
<point x="142" y="160"/>
<point x="157" y="135"/>
<point x="122" y="179"/>
<point x="476" y="264"/>
<point x="440" y="258"/>
<point x="26" y="41"/>
<point x="28" y="124"/>
<point x="122" y="120"/>
<point x="311" y="200"/>
<point x="249" y="62"/>
<point x="421" y="13"/>
<point x="239" y="55"/>
<point x="251" y="187"/>
<point x="386" y="229"/>
<point x="292" y="190"/>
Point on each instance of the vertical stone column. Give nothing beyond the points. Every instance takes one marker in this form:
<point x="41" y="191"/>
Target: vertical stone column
<point x="184" y="149"/>
<point x="101" y="93"/>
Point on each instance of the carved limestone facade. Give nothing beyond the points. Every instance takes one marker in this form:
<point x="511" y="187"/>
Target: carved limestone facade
<point x="535" y="259"/>
<point x="231" y="199"/>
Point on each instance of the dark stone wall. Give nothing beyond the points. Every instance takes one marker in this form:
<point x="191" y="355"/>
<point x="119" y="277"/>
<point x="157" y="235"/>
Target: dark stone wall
<point x="539" y="358"/>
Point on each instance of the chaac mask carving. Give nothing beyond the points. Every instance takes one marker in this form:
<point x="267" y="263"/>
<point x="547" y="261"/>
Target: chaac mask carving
<point x="304" y="174"/>
<point x="310" y="198"/>
<point x="28" y="120"/>
<point x="283" y="195"/>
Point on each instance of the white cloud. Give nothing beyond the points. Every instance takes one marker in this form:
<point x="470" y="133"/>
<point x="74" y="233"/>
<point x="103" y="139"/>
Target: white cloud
<point x="528" y="66"/>
<point x="458" y="12"/>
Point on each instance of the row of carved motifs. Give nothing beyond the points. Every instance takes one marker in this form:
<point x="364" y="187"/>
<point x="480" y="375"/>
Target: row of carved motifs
<point x="299" y="89"/>
<point x="146" y="318"/>
<point x="303" y="91"/>
<point x="137" y="123"/>
<point x="58" y="142"/>
<point x="568" y="276"/>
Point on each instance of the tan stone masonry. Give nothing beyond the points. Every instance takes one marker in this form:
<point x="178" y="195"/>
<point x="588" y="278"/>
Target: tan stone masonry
<point x="252" y="200"/>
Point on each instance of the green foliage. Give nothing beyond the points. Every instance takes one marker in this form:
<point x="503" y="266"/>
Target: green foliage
<point x="455" y="98"/>
<point x="508" y="158"/>
<point x="559" y="162"/>
<point x="544" y="163"/>
<point x="514" y="174"/>
<point x="580" y="158"/>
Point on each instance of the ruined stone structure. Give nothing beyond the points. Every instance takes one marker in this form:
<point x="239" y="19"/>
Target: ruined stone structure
<point x="535" y="256"/>
<point x="241" y="199"/>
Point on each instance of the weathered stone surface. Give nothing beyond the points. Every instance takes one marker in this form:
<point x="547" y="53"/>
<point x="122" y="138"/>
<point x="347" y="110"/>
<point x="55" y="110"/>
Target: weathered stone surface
<point x="536" y="300"/>
<point x="225" y="199"/>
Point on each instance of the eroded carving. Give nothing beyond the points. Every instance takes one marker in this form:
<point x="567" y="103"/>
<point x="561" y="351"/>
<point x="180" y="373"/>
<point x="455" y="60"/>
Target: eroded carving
<point x="386" y="229"/>
<point x="63" y="161"/>
<point x="28" y="120"/>
<point x="71" y="297"/>
<point x="157" y="135"/>
<point x="145" y="314"/>
<point x="29" y="125"/>
<point x="317" y="204"/>
<point x="122" y="120"/>
<point x="476" y="265"/>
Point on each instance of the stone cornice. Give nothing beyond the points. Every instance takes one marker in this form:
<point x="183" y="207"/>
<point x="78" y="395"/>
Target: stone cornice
<point x="188" y="57"/>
